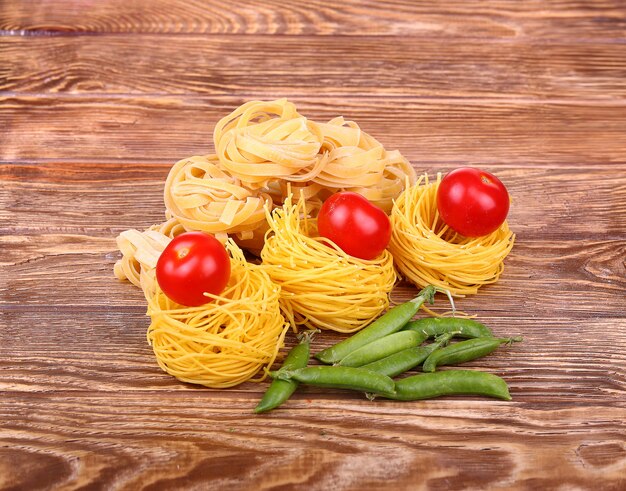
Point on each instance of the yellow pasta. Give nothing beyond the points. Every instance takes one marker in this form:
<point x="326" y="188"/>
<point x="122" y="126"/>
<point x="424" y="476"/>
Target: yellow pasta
<point x="321" y="286"/>
<point x="265" y="148"/>
<point x="140" y="253"/>
<point x="201" y="195"/>
<point x="426" y="251"/>
<point x="224" y="342"/>
<point x="264" y="141"/>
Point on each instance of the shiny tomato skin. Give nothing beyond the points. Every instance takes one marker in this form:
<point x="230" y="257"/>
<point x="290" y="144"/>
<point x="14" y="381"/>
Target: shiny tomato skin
<point x="472" y="202"/>
<point x="358" y="227"/>
<point x="191" y="264"/>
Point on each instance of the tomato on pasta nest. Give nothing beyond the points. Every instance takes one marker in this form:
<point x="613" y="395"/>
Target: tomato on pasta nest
<point x="192" y="264"/>
<point x="472" y="202"/>
<point x="353" y="223"/>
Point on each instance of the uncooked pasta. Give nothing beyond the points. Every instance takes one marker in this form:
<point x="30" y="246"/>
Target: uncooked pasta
<point x="322" y="286"/>
<point x="264" y="151"/>
<point x="141" y="251"/>
<point x="427" y="252"/>
<point x="265" y="148"/>
<point x="203" y="196"/>
<point x="226" y="341"/>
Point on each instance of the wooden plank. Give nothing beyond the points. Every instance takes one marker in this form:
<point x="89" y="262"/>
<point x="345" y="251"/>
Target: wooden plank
<point x="425" y="130"/>
<point x="498" y="19"/>
<point x="119" y="64"/>
<point x="105" y="350"/>
<point x="575" y="278"/>
<point x="66" y="440"/>
<point x="574" y="203"/>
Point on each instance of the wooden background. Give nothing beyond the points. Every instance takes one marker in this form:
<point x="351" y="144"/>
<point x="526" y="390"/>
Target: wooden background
<point x="99" y="98"/>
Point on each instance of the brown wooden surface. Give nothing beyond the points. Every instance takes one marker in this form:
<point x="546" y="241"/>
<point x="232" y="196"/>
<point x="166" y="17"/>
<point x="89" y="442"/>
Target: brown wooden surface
<point x="98" y="99"/>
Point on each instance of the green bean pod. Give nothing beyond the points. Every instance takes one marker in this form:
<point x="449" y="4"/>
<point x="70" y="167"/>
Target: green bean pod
<point x="435" y="326"/>
<point x="392" y="321"/>
<point x="404" y="360"/>
<point x="381" y="348"/>
<point x="450" y="382"/>
<point x="337" y="377"/>
<point x="468" y="350"/>
<point x="280" y="390"/>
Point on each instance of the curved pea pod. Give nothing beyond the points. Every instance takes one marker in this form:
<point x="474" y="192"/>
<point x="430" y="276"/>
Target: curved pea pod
<point x="280" y="390"/>
<point x="337" y="377"/>
<point x="435" y="326"/>
<point x="381" y="348"/>
<point x="404" y="360"/>
<point x="392" y="321"/>
<point x="450" y="382"/>
<point x="468" y="350"/>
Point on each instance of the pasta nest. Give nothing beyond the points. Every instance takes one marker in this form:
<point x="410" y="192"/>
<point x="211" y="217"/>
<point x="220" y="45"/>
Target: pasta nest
<point x="201" y="195"/>
<point x="322" y="286"/>
<point x="260" y="142"/>
<point x="140" y="253"/>
<point x="427" y="252"/>
<point x="226" y="341"/>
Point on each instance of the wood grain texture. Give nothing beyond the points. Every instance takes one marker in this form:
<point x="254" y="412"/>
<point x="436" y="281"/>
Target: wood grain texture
<point x="199" y="441"/>
<point x="578" y="20"/>
<point x="359" y="65"/>
<point x="432" y="130"/>
<point x="46" y="197"/>
<point x="99" y="99"/>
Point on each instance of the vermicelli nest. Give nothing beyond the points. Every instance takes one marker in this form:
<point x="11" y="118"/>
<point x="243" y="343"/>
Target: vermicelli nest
<point x="426" y="251"/>
<point x="226" y="341"/>
<point x="321" y="286"/>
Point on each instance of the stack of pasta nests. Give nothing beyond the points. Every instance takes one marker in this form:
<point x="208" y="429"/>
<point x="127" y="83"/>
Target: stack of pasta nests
<point x="266" y="153"/>
<point x="264" y="150"/>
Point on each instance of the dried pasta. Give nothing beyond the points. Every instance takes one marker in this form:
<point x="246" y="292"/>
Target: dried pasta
<point x="203" y="196"/>
<point x="226" y="341"/>
<point x="265" y="148"/>
<point x="426" y="251"/>
<point x="321" y="286"/>
<point x="140" y="253"/>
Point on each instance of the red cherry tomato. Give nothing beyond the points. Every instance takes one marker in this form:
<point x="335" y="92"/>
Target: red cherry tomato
<point x="191" y="264"/>
<point x="472" y="202"/>
<point x="353" y="223"/>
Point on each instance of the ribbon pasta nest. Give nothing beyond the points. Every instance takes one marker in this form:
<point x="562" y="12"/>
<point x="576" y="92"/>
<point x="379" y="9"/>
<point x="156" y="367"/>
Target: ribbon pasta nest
<point x="427" y="252"/>
<point x="322" y="286"/>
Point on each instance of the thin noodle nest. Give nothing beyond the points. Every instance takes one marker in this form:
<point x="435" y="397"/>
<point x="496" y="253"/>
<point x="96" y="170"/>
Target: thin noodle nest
<point x="426" y="251"/>
<point x="226" y="341"/>
<point x="321" y="286"/>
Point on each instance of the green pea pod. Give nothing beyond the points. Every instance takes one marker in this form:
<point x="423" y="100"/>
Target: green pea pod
<point x="392" y="321"/>
<point x="280" y="390"/>
<point x="404" y="360"/>
<point x="468" y="350"/>
<point x="450" y="382"/>
<point x="435" y="326"/>
<point x="337" y="377"/>
<point x="381" y="348"/>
